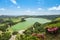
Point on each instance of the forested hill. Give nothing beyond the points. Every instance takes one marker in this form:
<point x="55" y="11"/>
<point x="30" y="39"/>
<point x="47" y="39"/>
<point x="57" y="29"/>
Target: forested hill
<point x="6" y="16"/>
<point x="41" y="16"/>
<point x="51" y="17"/>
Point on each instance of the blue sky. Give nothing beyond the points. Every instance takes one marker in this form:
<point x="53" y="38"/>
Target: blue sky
<point x="29" y="7"/>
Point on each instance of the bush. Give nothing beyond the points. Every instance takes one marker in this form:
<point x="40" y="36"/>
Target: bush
<point x="15" y="32"/>
<point x="22" y="19"/>
<point x="3" y="28"/>
<point x="26" y="37"/>
<point x="5" y="36"/>
<point x="52" y="30"/>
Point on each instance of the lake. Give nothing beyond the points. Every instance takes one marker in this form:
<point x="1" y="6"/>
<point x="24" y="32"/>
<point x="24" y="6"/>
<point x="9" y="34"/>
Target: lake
<point x="28" y="23"/>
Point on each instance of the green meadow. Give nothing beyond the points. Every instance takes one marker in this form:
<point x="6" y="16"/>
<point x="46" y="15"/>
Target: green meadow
<point x="28" y="23"/>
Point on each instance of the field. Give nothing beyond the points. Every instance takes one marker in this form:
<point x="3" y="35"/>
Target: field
<point x="28" y="23"/>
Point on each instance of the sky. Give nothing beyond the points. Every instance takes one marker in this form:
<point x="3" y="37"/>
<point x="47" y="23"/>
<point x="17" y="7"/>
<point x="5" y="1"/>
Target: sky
<point x="29" y="7"/>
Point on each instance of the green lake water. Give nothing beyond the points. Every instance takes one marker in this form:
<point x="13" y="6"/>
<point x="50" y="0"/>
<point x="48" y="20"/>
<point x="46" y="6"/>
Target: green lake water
<point x="28" y="23"/>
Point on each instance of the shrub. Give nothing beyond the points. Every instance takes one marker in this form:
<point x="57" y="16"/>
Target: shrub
<point x="40" y="36"/>
<point x="15" y="32"/>
<point x="5" y="36"/>
<point x="52" y="30"/>
<point x="26" y="37"/>
<point x="22" y="19"/>
<point x="3" y="28"/>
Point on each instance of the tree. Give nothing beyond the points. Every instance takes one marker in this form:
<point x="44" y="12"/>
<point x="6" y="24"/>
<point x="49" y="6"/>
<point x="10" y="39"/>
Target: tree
<point x="26" y="37"/>
<point x="5" y="36"/>
<point x="22" y="19"/>
<point x="3" y="28"/>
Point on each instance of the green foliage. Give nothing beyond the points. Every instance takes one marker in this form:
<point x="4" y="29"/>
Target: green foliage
<point x="15" y="32"/>
<point x="5" y="36"/>
<point x="28" y="23"/>
<point x="3" y="28"/>
<point x="54" y="23"/>
<point x="22" y="19"/>
<point x="41" y="28"/>
<point x="36" y="28"/>
<point x="7" y="22"/>
<point x="26" y="37"/>
<point x="57" y="18"/>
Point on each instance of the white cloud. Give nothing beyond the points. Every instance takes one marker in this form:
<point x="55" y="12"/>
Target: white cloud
<point x="28" y="11"/>
<point x="39" y="8"/>
<point x="2" y="9"/>
<point x="18" y="6"/>
<point x="55" y="8"/>
<point x="13" y="1"/>
<point x="33" y="12"/>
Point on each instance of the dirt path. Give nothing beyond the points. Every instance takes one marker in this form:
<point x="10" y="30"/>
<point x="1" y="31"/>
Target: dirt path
<point x="21" y="31"/>
<point x="14" y="36"/>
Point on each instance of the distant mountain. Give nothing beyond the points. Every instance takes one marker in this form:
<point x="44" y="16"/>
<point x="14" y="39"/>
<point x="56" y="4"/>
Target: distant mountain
<point x="51" y="17"/>
<point x="6" y="16"/>
<point x="41" y="16"/>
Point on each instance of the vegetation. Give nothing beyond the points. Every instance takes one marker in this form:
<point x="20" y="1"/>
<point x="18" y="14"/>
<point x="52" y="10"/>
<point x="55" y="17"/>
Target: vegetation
<point x="42" y="31"/>
<point x="35" y="28"/>
<point x="28" y="23"/>
<point x="5" y="36"/>
<point x="22" y="19"/>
